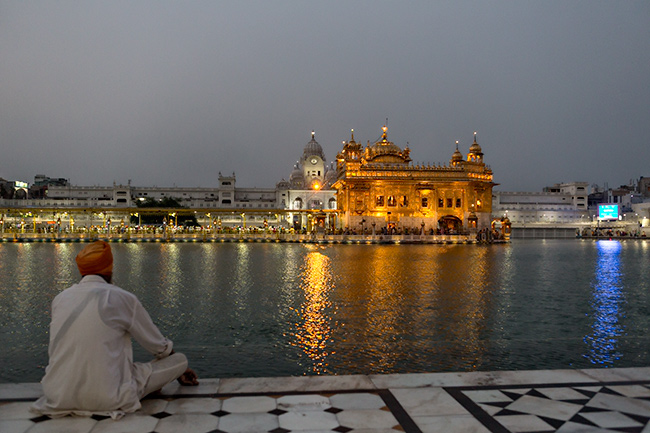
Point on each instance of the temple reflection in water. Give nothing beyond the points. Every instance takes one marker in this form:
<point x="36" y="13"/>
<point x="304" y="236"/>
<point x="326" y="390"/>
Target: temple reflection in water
<point x="313" y="334"/>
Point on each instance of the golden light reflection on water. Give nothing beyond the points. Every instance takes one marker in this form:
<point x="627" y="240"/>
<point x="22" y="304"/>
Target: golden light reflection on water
<point x="409" y="303"/>
<point x="314" y="332"/>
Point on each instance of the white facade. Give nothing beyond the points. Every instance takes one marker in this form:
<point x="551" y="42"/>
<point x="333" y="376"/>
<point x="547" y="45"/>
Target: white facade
<point x="561" y="203"/>
<point x="226" y="196"/>
<point x="308" y="189"/>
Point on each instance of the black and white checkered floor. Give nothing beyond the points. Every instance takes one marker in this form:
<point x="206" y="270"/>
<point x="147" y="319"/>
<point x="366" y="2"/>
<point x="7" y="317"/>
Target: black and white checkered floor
<point x="620" y="407"/>
<point x="612" y="400"/>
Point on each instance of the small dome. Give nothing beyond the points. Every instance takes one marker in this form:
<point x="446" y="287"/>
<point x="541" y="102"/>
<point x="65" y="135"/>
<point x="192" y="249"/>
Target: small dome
<point x="457" y="156"/>
<point x="313" y="148"/>
<point x="330" y="176"/>
<point x="475" y="148"/>
<point x="296" y="173"/>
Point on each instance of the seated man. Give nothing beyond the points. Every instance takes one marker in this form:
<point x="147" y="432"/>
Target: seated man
<point x="91" y="368"/>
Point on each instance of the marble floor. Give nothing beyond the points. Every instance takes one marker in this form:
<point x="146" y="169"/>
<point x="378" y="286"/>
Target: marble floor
<point x="606" y="400"/>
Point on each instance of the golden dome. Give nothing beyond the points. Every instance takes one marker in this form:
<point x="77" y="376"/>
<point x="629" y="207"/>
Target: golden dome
<point x="457" y="156"/>
<point x="475" y="148"/>
<point x="386" y="151"/>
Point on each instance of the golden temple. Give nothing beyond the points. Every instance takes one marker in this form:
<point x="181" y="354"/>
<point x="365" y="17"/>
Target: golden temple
<point x="379" y="186"/>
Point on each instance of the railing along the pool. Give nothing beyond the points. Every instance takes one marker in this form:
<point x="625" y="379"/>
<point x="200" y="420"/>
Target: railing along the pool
<point x="320" y="238"/>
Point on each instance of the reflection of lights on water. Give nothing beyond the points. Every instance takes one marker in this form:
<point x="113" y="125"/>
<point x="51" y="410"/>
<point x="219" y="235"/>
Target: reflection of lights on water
<point x="314" y="333"/>
<point x="606" y="303"/>
<point x="171" y="274"/>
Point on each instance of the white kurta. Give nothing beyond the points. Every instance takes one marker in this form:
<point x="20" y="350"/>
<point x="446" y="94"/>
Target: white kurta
<point x="91" y="368"/>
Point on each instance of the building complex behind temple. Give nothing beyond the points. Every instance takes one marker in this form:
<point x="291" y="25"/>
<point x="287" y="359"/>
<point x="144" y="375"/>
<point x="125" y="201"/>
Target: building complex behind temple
<point x="371" y="188"/>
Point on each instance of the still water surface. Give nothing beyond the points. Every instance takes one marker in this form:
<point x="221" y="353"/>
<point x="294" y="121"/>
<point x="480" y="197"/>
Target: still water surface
<point x="251" y="309"/>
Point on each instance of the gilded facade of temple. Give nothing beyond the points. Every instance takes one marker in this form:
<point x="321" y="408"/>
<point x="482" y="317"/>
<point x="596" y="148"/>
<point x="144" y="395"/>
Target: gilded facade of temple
<point x="378" y="186"/>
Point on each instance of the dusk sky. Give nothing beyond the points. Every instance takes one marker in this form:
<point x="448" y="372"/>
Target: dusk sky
<point x="171" y="93"/>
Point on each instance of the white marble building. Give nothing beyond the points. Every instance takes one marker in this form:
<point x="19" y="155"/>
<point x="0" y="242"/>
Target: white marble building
<point x="560" y="203"/>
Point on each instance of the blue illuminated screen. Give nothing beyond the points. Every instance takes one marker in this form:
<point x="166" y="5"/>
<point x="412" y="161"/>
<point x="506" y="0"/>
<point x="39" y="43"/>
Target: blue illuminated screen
<point x="608" y="211"/>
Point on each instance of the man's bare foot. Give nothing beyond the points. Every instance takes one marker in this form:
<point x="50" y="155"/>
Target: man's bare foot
<point x="189" y="378"/>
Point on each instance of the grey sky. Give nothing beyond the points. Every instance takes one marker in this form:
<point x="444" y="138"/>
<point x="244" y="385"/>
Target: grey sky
<point x="170" y="93"/>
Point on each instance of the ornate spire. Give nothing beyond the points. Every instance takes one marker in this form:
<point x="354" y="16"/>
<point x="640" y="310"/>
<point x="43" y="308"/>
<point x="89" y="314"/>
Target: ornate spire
<point x="352" y="135"/>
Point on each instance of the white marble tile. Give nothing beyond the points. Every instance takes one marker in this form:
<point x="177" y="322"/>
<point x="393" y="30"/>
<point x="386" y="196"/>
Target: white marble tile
<point x="562" y="393"/>
<point x="303" y="403"/>
<point x="249" y="404"/>
<point x="573" y="427"/>
<point x="357" y="401"/>
<point x="622" y="404"/>
<point x="422" y="380"/>
<point x="195" y="423"/>
<point x="15" y="426"/>
<point x="540" y="377"/>
<point x="128" y="424"/>
<point x="619" y="374"/>
<point x="20" y="390"/>
<point x="523" y="423"/>
<point x="64" y="425"/>
<point x="610" y="419"/>
<point x="193" y="405"/>
<point x="477" y="378"/>
<point x="152" y="406"/>
<point x="365" y="430"/>
<point x="487" y="396"/>
<point x="294" y="384"/>
<point x="631" y="390"/>
<point x="491" y="410"/>
<point x="543" y="407"/>
<point x="248" y="422"/>
<point x="450" y="424"/>
<point x="205" y="387"/>
<point x="367" y="419"/>
<point x="310" y="420"/>
<point x="16" y="410"/>
<point x="428" y="402"/>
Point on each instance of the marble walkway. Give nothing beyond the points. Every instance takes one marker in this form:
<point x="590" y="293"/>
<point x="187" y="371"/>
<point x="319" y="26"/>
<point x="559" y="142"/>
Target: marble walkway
<point x="598" y="400"/>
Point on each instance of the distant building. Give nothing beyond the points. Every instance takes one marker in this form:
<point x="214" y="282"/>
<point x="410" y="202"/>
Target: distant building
<point x="560" y="203"/>
<point x="42" y="183"/>
<point x="308" y="188"/>
<point x="379" y="186"/>
<point x="14" y="189"/>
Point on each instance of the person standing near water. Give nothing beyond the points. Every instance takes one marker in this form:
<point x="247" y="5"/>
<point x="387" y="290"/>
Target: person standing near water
<point x="91" y="369"/>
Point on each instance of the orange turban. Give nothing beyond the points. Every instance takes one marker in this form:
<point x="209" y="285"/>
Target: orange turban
<point x="95" y="259"/>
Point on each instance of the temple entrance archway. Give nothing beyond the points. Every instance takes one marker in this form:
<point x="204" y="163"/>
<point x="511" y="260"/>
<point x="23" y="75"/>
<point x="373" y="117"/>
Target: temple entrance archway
<point x="449" y="224"/>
